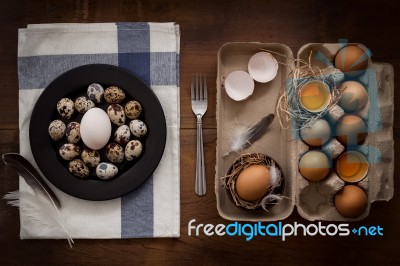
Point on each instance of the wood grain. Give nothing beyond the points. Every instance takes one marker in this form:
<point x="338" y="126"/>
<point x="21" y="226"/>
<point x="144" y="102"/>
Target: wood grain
<point x="205" y="26"/>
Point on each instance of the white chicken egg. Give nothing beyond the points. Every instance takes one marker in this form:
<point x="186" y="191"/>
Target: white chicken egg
<point x="95" y="128"/>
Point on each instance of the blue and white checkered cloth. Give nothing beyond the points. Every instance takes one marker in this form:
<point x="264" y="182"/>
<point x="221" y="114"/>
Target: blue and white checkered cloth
<point x="151" y="51"/>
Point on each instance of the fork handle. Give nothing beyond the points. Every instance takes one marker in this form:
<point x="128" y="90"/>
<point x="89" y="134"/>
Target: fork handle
<point x="200" y="182"/>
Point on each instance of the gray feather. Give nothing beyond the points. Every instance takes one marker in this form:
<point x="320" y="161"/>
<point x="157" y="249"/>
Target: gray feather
<point x="249" y="136"/>
<point x="258" y="130"/>
<point x="26" y="170"/>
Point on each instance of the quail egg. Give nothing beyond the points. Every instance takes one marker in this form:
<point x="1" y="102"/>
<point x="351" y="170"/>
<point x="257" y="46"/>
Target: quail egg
<point x="138" y="128"/>
<point x="122" y="135"/>
<point x="114" y="94"/>
<point x="73" y="132"/>
<point x="65" y="107"/>
<point x="69" y="151"/>
<point x="82" y="104"/>
<point x="116" y="114"/>
<point x="57" y="130"/>
<point x="78" y="168"/>
<point x="133" y="109"/>
<point x="133" y="149"/>
<point x="106" y="170"/>
<point x="90" y="157"/>
<point x="115" y="153"/>
<point x="95" y="92"/>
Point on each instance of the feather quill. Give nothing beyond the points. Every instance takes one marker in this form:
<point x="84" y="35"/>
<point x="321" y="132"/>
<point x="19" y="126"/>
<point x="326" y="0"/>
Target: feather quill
<point x="31" y="176"/>
<point x="39" y="209"/>
<point x="43" y="206"/>
<point x="245" y="137"/>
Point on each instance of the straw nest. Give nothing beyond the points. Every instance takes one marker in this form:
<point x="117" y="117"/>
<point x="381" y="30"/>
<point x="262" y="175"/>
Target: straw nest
<point x="273" y="194"/>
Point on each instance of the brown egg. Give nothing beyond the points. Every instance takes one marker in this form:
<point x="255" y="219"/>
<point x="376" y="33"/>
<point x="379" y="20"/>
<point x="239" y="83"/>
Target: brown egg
<point x="351" y="130"/>
<point x="353" y="97"/>
<point x="314" y="165"/>
<point x="253" y="182"/>
<point x="351" y="201"/>
<point x="351" y="58"/>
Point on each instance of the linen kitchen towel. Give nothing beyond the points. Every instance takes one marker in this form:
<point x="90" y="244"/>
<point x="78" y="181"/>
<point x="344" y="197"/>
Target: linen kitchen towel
<point x="149" y="50"/>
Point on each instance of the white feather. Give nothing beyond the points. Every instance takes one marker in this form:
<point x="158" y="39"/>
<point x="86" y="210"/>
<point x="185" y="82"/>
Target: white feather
<point x="39" y="209"/>
<point x="267" y="200"/>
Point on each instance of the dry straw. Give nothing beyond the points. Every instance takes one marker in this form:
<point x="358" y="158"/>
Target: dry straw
<point x="288" y="108"/>
<point x="245" y="161"/>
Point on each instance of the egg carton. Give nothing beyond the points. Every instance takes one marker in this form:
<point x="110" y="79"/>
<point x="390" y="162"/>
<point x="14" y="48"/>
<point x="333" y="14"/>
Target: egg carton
<point x="314" y="200"/>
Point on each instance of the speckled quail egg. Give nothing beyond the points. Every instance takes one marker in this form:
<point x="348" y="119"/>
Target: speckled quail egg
<point x="133" y="109"/>
<point x="57" y="130"/>
<point x="69" y="151"/>
<point x="106" y="170"/>
<point x="73" y="132"/>
<point x="133" y="149"/>
<point x="115" y="153"/>
<point x="78" y="168"/>
<point x="122" y="135"/>
<point x="138" y="128"/>
<point x="116" y="114"/>
<point x="90" y="157"/>
<point x="95" y="92"/>
<point x="65" y="107"/>
<point x="114" y="94"/>
<point x="82" y="104"/>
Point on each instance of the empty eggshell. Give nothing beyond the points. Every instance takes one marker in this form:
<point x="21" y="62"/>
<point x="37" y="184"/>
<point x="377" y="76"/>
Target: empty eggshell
<point x="239" y="85"/>
<point x="314" y="165"/>
<point x="316" y="134"/>
<point x="353" y="97"/>
<point x="263" y="67"/>
<point x="352" y="166"/>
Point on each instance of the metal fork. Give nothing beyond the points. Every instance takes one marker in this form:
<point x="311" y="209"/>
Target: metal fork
<point x="199" y="107"/>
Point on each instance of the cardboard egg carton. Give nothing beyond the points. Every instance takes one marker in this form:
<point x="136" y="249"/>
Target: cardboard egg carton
<point x="314" y="200"/>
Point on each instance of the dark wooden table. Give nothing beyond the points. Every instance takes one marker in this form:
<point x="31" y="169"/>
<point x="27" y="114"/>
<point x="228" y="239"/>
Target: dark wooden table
<point x="205" y="26"/>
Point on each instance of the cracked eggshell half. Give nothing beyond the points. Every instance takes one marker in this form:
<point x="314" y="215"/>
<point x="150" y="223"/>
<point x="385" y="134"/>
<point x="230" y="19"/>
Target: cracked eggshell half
<point x="239" y="85"/>
<point x="263" y="67"/>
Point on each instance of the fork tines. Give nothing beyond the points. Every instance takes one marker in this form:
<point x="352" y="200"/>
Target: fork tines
<point x="199" y="87"/>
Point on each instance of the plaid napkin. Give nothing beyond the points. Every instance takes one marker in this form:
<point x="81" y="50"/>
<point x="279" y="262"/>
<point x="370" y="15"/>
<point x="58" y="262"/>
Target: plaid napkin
<point x="151" y="51"/>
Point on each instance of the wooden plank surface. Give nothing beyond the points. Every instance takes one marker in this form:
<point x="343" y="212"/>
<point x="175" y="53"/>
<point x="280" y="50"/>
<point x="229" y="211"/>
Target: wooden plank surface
<point x="205" y="26"/>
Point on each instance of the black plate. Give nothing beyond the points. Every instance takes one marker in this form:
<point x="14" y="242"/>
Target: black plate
<point x="72" y="84"/>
